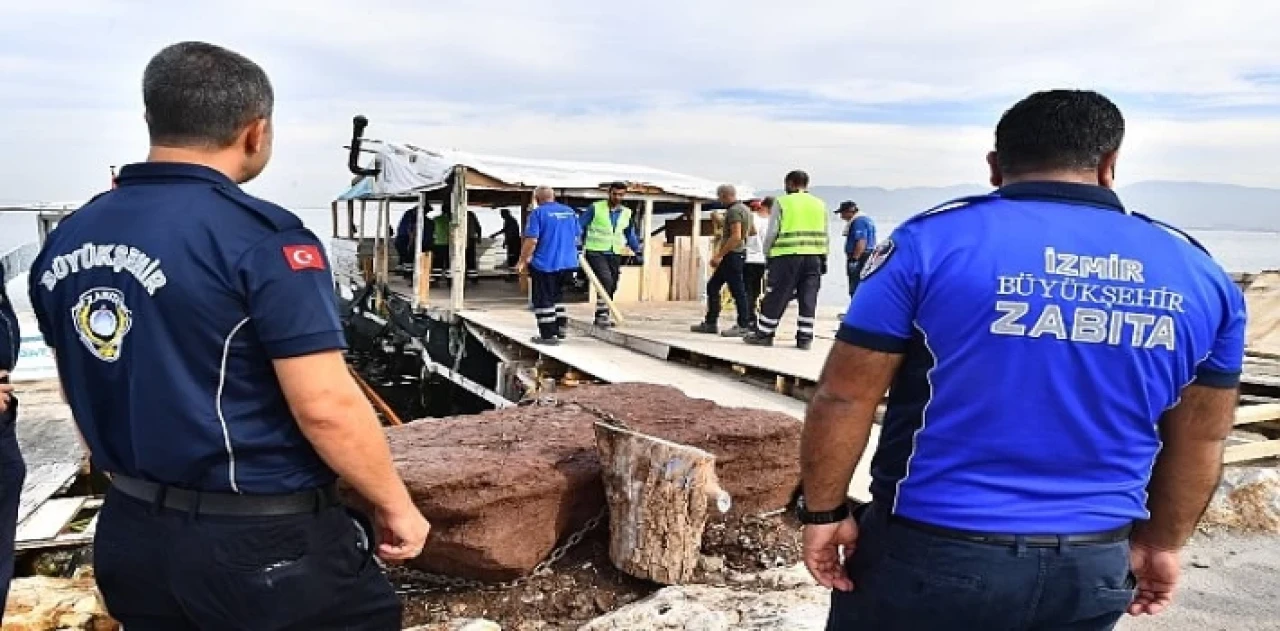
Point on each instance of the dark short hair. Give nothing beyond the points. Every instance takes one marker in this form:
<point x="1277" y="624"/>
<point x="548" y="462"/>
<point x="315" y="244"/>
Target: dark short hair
<point x="201" y="95"/>
<point x="799" y="178"/>
<point x="1058" y="129"/>
<point x="618" y="186"/>
<point x="768" y="201"/>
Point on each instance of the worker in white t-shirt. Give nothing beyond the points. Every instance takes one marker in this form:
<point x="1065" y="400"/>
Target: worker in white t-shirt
<point x="753" y="271"/>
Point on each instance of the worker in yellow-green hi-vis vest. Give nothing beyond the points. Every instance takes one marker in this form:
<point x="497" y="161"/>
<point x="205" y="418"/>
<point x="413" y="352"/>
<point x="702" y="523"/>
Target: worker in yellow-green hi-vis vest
<point x="796" y="247"/>
<point x="607" y="235"/>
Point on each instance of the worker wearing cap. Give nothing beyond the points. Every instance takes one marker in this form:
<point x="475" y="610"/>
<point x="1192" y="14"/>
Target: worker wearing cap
<point x="608" y="231"/>
<point x="796" y="245"/>
<point x="549" y="254"/>
<point x="859" y="240"/>
<point x="13" y="471"/>
<point x="1062" y="377"/>
<point x="198" y="344"/>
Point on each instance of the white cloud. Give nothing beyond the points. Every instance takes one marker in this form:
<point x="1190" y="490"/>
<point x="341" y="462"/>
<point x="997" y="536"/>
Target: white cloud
<point x="491" y="77"/>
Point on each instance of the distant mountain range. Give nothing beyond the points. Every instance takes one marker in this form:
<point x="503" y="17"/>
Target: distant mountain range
<point x="1189" y="205"/>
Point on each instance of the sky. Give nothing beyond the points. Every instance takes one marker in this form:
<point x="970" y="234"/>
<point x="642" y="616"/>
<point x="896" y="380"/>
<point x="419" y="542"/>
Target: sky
<point x="854" y="92"/>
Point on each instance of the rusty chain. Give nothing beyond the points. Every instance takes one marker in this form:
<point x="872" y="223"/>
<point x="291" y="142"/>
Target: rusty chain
<point x="431" y="583"/>
<point x="440" y="582"/>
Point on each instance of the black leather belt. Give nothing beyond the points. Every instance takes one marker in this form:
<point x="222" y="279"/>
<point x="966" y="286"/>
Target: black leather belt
<point x="1031" y="541"/>
<point x="227" y="504"/>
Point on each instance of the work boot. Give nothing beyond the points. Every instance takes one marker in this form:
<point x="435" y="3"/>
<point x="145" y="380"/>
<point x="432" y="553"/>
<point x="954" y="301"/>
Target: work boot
<point x="705" y="327"/>
<point x="736" y="331"/>
<point x="549" y="341"/>
<point x="804" y="345"/>
<point x="757" y="338"/>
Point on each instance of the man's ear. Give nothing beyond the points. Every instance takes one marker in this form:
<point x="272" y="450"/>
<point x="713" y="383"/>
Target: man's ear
<point x="1107" y="169"/>
<point x="993" y="163"/>
<point x="255" y="137"/>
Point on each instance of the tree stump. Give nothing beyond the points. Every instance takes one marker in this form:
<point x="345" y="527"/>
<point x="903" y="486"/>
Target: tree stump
<point x="659" y="494"/>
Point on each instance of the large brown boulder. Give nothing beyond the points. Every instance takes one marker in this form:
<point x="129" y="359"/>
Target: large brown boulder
<point x="503" y="487"/>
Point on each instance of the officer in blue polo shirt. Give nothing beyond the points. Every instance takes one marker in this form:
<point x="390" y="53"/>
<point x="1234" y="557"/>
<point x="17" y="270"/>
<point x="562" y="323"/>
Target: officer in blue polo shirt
<point x="1062" y="375"/>
<point x="549" y="253"/>
<point x="200" y="350"/>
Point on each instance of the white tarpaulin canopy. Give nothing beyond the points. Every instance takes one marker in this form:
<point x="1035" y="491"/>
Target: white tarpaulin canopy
<point x="406" y="169"/>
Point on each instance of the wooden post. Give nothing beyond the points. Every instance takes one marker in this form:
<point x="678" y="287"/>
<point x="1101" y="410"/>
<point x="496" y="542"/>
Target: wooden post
<point x="351" y="218"/>
<point x="458" y="238"/>
<point x="379" y="253"/>
<point x="652" y="255"/>
<point x="421" y="288"/>
<point x="659" y="494"/>
<point x="696" y="281"/>
<point x="333" y="215"/>
<point x="597" y="289"/>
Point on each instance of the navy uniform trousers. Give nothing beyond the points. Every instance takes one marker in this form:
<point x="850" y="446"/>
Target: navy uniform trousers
<point x="13" y="473"/>
<point x="798" y="275"/>
<point x="548" y="309"/>
<point x="161" y="569"/>
<point x="907" y="579"/>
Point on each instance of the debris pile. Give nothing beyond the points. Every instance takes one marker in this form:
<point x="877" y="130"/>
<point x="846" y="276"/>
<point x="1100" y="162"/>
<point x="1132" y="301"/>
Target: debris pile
<point x="40" y="603"/>
<point x="1247" y="500"/>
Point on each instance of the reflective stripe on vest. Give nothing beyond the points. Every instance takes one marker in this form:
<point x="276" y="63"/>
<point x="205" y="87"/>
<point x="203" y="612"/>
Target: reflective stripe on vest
<point x="802" y="227"/>
<point x="602" y="234"/>
<point x="440" y="235"/>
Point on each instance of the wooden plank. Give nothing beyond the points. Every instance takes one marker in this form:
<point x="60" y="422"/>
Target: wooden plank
<point x="44" y="481"/>
<point x="653" y="255"/>
<point x="1251" y="451"/>
<point x="49" y="520"/>
<point x="1250" y="414"/>
<point x="69" y="539"/>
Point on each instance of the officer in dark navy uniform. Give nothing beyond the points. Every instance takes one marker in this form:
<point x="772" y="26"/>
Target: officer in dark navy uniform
<point x="1062" y="376"/>
<point x="12" y="469"/>
<point x="197" y="339"/>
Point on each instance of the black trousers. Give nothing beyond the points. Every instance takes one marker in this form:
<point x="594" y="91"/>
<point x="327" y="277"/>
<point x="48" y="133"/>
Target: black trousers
<point x="164" y="570"/>
<point x="513" y="252"/>
<point x="753" y="277"/>
<point x="548" y="298"/>
<point x="729" y="272"/>
<point x="13" y="473"/>
<point x="607" y="267"/>
<point x="855" y="271"/>
<point x="798" y="275"/>
<point x="440" y="257"/>
<point x="473" y="256"/>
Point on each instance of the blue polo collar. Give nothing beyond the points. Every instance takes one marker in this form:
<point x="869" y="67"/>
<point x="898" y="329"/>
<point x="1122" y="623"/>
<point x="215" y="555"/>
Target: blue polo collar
<point x="151" y="172"/>
<point x="1064" y="192"/>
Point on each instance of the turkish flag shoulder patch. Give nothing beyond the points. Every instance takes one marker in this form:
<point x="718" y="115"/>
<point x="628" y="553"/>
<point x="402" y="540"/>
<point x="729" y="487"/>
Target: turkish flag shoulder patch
<point x="300" y="257"/>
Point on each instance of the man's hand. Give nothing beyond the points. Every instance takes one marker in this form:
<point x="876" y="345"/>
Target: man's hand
<point x="825" y="548"/>
<point x="1157" y="572"/>
<point x="402" y="533"/>
<point x="522" y="267"/>
<point x="715" y="261"/>
<point x="6" y="392"/>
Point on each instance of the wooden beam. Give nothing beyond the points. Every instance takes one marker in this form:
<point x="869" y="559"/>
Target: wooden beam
<point x="1250" y="414"/>
<point x="333" y="216"/>
<point x="458" y="239"/>
<point x="695" y="272"/>
<point x="652" y="255"/>
<point x="351" y="218"/>
<point x="421" y="275"/>
<point x="1251" y="451"/>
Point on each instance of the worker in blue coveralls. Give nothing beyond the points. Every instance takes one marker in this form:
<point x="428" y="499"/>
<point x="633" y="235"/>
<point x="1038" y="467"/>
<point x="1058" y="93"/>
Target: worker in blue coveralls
<point x="549" y="254"/>
<point x="198" y="343"/>
<point x="607" y="229"/>
<point x="12" y="469"/>
<point x="1062" y="374"/>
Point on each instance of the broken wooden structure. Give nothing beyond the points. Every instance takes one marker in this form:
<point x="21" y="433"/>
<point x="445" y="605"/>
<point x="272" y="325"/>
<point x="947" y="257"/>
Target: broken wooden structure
<point x="659" y="494"/>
